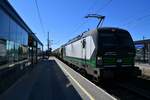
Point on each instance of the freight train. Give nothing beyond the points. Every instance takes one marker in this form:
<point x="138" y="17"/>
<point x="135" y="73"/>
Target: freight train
<point x="105" y="52"/>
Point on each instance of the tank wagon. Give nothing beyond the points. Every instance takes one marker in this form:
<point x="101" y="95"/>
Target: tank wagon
<point x="103" y="53"/>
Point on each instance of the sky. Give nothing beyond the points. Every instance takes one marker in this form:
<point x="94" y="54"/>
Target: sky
<point x="64" y="19"/>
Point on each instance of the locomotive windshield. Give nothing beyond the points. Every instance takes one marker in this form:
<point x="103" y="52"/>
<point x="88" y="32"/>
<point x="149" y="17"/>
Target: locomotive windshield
<point x="108" y="40"/>
<point x="115" y="40"/>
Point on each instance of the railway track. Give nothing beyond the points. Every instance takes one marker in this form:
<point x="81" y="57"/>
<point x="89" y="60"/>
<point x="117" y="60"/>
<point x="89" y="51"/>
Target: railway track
<point x="136" y="90"/>
<point x="128" y="89"/>
<point x="124" y="91"/>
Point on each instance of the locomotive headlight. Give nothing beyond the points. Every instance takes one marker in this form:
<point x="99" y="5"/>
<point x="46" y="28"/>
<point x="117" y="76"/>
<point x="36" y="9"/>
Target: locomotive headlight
<point x="99" y="60"/>
<point x="119" y="60"/>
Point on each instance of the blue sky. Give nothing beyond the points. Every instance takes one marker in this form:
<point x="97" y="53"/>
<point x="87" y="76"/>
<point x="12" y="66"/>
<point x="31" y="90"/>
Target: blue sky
<point x="64" y="19"/>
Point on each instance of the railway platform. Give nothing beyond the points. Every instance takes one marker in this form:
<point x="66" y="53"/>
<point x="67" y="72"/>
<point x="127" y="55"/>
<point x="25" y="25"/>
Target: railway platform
<point x="51" y="79"/>
<point x="145" y="68"/>
<point x="45" y="82"/>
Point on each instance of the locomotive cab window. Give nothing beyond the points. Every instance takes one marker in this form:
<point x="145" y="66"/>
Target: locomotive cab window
<point x="116" y="40"/>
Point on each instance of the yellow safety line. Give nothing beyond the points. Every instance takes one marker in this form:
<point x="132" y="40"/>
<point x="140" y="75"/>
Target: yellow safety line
<point x="89" y="95"/>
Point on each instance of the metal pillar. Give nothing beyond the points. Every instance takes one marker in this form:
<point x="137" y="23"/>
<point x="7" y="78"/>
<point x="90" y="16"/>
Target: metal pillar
<point x="149" y="53"/>
<point x="48" y="41"/>
<point x="144" y="53"/>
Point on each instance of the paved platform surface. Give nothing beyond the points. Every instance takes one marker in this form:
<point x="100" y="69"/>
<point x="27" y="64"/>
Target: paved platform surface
<point x="86" y="89"/>
<point x="144" y="67"/>
<point x="45" y="82"/>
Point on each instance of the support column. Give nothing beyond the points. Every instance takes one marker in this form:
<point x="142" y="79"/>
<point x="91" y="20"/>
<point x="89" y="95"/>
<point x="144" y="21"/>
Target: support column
<point x="149" y="53"/>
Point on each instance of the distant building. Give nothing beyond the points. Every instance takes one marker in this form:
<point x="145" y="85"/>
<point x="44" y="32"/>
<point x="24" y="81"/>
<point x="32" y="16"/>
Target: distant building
<point x="142" y="51"/>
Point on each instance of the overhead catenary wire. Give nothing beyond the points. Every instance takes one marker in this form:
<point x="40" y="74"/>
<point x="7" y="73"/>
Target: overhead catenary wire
<point x="79" y="26"/>
<point x="39" y="16"/>
<point x="90" y="8"/>
<point x="106" y="5"/>
<point x="85" y="21"/>
<point x="136" y="20"/>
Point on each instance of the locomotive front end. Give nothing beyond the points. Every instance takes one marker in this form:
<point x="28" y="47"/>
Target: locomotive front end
<point x="116" y="52"/>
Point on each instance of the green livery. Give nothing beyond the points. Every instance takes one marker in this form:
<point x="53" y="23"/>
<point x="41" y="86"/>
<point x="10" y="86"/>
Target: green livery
<point x="102" y="52"/>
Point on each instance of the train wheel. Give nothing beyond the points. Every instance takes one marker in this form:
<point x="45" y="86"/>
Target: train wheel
<point x="83" y="72"/>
